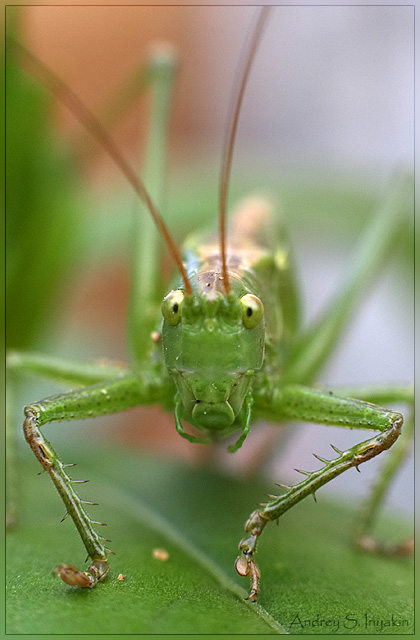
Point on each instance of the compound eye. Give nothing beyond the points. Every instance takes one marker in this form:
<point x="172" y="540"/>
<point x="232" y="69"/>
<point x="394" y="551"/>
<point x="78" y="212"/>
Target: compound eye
<point x="252" y="310"/>
<point x="171" y="307"/>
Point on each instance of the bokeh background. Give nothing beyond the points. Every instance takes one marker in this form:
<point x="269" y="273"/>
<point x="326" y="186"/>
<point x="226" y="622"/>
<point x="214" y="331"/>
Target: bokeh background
<point x="327" y="118"/>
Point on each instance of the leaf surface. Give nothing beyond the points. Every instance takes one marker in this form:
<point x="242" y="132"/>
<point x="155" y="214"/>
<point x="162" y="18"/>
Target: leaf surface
<point x="312" y="581"/>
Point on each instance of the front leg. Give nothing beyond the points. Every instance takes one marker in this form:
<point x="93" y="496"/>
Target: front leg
<point x="99" y="399"/>
<point x="302" y="404"/>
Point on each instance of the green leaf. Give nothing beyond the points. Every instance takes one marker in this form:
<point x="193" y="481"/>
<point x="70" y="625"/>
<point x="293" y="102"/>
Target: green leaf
<point x="312" y="581"/>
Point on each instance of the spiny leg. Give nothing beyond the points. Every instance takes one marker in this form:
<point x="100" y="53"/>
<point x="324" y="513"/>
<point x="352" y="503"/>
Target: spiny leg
<point x="365" y="520"/>
<point x="363" y="532"/>
<point x="158" y="74"/>
<point x="311" y="348"/>
<point x="105" y="398"/>
<point x="57" y="370"/>
<point x="302" y="404"/>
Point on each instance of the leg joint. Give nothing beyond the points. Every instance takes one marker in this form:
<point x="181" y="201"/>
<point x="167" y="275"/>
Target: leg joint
<point x="34" y="437"/>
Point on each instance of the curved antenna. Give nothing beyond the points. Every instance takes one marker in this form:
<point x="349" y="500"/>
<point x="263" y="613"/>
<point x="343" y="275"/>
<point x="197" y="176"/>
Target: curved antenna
<point x="63" y="92"/>
<point x="251" y="49"/>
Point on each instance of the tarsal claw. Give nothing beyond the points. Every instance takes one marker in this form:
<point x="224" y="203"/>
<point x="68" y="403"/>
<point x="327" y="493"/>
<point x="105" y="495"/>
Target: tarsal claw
<point x="73" y="577"/>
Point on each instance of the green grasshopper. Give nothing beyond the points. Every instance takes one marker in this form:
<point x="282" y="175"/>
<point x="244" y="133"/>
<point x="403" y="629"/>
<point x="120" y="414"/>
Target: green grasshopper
<point x="228" y="349"/>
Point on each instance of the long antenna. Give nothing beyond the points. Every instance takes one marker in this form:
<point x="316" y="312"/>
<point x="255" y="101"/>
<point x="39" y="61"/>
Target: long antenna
<point x="63" y="92"/>
<point x="230" y="138"/>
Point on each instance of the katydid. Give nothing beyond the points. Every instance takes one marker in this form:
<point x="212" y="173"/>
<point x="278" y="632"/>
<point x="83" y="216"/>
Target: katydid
<point x="228" y="349"/>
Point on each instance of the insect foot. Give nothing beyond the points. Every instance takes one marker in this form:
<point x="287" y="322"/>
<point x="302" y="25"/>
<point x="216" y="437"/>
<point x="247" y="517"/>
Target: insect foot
<point x="97" y="572"/>
<point x="245" y="564"/>
<point x="373" y="545"/>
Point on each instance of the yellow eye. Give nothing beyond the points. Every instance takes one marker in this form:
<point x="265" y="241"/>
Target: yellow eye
<point x="252" y="310"/>
<point x="171" y="307"/>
